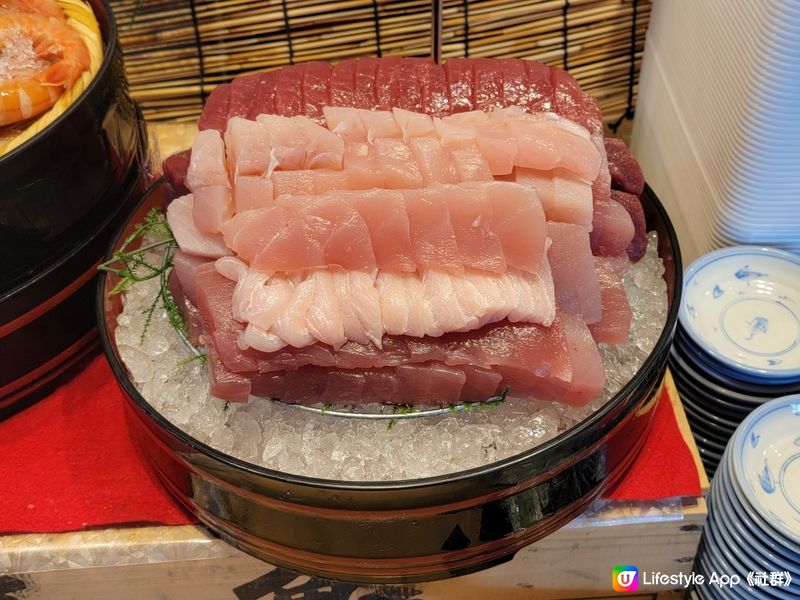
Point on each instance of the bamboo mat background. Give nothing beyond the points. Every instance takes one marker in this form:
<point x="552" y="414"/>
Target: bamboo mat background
<point x="177" y="51"/>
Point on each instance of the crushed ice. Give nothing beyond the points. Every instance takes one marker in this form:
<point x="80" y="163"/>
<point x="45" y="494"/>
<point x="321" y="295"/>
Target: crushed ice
<point x="281" y="437"/>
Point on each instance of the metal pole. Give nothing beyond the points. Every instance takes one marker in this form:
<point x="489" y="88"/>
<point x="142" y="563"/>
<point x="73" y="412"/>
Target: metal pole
<point x="436" y="31"/>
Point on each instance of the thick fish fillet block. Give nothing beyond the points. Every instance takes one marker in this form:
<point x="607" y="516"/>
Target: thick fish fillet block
<point x="612" y="229"/>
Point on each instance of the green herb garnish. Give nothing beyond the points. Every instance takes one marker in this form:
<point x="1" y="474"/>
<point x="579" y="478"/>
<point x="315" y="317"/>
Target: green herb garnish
<point x="132" y="265"/>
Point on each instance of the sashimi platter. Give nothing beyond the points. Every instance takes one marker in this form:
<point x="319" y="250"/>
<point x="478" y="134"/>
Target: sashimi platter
<point x="394" y="275"/>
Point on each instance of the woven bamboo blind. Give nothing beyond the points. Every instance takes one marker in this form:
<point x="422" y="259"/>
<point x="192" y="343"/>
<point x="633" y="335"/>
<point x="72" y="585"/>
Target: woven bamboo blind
<point x="177" y="51"/>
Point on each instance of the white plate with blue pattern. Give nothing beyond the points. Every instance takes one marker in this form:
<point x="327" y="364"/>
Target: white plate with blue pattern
<point x="741" y="305"/>
<point x="765" y="454"/>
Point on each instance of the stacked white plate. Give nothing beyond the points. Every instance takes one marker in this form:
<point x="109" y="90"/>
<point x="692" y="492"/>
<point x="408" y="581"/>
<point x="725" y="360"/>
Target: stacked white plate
<point x="717" y="128"/>
<point x="737" y="344"/>
<point x="753" y="527"/>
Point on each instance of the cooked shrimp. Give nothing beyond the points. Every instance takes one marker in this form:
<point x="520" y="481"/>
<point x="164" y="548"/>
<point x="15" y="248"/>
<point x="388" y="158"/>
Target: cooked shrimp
<point x="42" y="7"/>
<point x="26" y="93"/>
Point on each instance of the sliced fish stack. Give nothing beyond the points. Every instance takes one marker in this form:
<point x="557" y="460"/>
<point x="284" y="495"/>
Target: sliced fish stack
<point x="402" y="232"/>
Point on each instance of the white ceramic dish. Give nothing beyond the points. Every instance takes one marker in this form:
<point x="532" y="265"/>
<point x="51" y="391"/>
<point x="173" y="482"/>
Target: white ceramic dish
<point x="741" y="305"/>
<point x="766" y="463"/>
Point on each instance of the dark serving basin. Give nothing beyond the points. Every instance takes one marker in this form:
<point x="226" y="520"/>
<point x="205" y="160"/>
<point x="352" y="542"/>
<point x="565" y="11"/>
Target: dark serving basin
<point x="64" y="193"/>
<point x="411" y="530"/>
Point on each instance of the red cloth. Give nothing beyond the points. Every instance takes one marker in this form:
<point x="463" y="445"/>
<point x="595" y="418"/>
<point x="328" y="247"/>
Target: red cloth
<point x="69" y="463"/>
<point x="665" y="467"/>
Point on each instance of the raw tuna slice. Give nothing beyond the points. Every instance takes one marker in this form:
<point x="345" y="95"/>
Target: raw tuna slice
<point x="243" y="92"/>
<point x="288" y="90"/>
<point x="626" y="174"/>
<point x="224" y="383"/>
<point x="435" y="162"/>
<point x="432" y="235"/>
<point x="471" y="217"/>
<point x="310" y="182"/>
<point x="343" y="83"/>
<point x="469" y="163"/>
<point x="252" y="191"/>
<point x="215" y="110"/>
<point x="361" y="167"/>
<point x="189" y="237"/>
<point x="460" y="82"/>
<point x="184" y="268"/>
<point x="434" y="93"/>
<point x="540" y="89"/>
<point x="601" y="187"/>
<point x="413" y="124"/>
<point x="397" y="164"/>
<point x="612" y="229"/>
<point x="247" y="147"/>
<point x="396" y="84"/>
<point x="615" y="323"/>
<point x="574" y="275"/>
<point x="316" y="92"/>
<point x="518" y="220"/>
<point x="207" y="177"/>
<point x="638" y="245"/>
<point x="572" y="200"/>
<point x="346" y="123"/>
<point x="299" y="143"/>
<point x="264" y="101"/>
<point x="364" y="92"/>
<point x="515" y="82"/>
<point x="175" y="168"/>
<point x="488" y="83"/>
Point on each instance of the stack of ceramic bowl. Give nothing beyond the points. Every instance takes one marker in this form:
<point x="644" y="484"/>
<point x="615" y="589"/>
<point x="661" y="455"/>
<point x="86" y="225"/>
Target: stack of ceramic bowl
<point x="717" y="123"/>
<point x="753" y="526"/>
<point x="737" y="344"/>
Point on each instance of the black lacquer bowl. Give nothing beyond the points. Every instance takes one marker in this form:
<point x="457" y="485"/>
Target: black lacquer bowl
<point x="412" y="530"/>
<point x="63" y="194"/>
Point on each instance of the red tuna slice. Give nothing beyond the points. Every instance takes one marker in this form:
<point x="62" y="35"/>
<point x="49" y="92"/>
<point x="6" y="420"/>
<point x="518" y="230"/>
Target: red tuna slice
<point x="515" y="82"/>
<point x="612" y="229"/>
<point x="626" y="174"/>
<point x="343" y="83"/>
<point x="480" y="384"/>
<point x="574" y="275"/>
<point x="435" y="162"/>
<point x="364" y="92"/>
<point x="325" y="231"/>
<point x="540" y="90"/>
<point x="288" y="90"/>
<point x="316" y="92"/>
<point x="175" y="168"/>
<point x="264" y="101"/>
<point x="615" y="323"/>
<point x="243" y="92"/>
<point x="518" y="220"/>
<point x="471" y="216"/>
<point x="567" y="96"/>
<point x="638" y="245"/>
<point x="590" y="377"/>
<point x="344" y="387"/>
<point x="224" y="383"/>
<point x="397" y="164"/>
<point x="488" y="84"/>
<point x="248" y="232"/>
<point x="434" y="93"/>
<point x="191" y="316"/>
<point x="180" y="216"/>
<point x="432" y="235"/>
<point x="429" y="384"/>
<point x="396" y="84"/>
<point x="460" y="83"/>
<point x="384" y="212"/>
<point x="215" y="110"/>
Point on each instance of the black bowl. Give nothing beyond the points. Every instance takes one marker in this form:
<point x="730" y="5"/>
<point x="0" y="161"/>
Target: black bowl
<point x="65" y="192"/>
<point x="411" y="530"/>
<point x="62" y="183"/>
